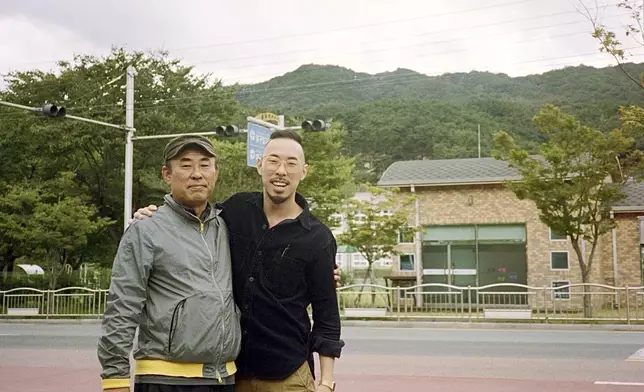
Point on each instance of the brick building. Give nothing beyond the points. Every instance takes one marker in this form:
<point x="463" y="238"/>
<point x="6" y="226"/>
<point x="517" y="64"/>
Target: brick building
<point x="477" y="232"/>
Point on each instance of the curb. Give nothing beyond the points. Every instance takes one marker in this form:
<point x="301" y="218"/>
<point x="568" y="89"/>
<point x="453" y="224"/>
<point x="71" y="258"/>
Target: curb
<point x="492" y="326"/>
<point x="403" y="324"/>
<point x="49" y="321"/>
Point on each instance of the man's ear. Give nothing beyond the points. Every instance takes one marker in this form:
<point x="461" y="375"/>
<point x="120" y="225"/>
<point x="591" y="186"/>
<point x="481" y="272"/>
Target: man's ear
<point x="166" y="173"/>
<point x="259" y="166"/>
<point x="305" y="171"/>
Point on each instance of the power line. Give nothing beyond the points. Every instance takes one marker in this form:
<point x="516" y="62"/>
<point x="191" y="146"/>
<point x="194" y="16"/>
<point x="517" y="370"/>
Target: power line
<point x="348" y="28"/>
<point x="326" y="87"/>
<point x="45" y="84"/>
<point x="419" y="54"/>
<point x="357" y="80"/>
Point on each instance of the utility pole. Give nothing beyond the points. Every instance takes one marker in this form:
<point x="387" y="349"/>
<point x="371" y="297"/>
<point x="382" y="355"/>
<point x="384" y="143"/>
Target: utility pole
<point x="479" y="141"/>
<point x="129" y="146"/>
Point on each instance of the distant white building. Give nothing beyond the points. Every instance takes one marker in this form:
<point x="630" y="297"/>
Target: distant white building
<point x="347" y="257"/>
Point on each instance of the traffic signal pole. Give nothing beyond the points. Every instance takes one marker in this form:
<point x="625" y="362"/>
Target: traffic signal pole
<point x="50" y="110"/>
<point x="129" y="146"/>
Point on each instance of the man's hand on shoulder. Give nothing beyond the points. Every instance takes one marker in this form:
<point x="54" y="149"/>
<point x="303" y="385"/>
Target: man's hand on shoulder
<point x="145" y="212"/>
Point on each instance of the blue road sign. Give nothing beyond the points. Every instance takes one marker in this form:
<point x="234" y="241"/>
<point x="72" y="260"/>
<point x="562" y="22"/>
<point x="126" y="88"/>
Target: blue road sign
<point x="257" y="138"/>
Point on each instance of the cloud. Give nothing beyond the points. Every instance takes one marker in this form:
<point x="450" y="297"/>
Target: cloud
<point x="250" y="41"/>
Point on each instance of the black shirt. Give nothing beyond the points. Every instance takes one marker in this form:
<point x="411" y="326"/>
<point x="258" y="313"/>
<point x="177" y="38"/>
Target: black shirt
<point x="277" y="273"/>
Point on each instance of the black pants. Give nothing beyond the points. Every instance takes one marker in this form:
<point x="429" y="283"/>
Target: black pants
<point x="183" y="388"/>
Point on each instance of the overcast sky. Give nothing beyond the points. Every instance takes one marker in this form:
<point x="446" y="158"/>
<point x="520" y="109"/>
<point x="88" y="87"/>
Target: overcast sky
<point x="250" y="41"/>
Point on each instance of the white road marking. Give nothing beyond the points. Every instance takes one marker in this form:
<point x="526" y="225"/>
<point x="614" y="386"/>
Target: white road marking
<point x="637" y="356"/>
<point x="632" y="384"/>
<point x="9" y="334"/>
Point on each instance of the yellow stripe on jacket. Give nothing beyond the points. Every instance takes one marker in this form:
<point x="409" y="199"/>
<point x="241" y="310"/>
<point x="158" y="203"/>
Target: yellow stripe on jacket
<point x="158" y="367"/>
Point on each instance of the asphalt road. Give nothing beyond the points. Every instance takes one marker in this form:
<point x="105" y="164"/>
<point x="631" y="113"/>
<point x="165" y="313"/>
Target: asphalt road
<point x="52" y="357"/>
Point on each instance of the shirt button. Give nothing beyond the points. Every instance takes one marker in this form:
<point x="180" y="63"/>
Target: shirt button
<point x="246" y="307"/>
<point x="259" y="253"/>
<point x="245" y="333"/>
<point x="251" y="279"/>
<point x="264" y="227"/>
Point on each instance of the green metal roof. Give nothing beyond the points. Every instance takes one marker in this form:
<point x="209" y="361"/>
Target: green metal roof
<point x="346" y="249"/>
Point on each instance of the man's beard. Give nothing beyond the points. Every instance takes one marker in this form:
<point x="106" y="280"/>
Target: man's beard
<point x="277" y="199"/>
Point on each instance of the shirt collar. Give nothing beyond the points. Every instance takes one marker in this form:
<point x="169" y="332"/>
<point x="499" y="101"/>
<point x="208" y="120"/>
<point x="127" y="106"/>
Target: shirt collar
<point x="205" y="215"/>
<point x="304" y="218"/>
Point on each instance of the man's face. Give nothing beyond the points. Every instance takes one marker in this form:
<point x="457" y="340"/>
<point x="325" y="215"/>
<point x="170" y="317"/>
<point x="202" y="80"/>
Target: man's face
<point x="282" y="168"/>
<point x="192" y="176"/>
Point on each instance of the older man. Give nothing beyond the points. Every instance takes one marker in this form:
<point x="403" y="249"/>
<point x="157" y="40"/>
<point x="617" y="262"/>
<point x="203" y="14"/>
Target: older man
<point x="172" y="279"/>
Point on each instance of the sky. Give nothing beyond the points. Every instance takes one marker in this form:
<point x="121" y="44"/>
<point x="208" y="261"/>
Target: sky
<point x="247" y="41"/>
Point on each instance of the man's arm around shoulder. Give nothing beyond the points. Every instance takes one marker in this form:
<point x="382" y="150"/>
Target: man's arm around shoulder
<point x="126" y="300"/>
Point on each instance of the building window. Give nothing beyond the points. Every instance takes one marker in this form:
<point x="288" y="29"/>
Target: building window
<point x="406" y="235"/>
<point x="406" y="262"/>
<point x="560" y="293"/>
<point x="554" y="236"/>
<point x="559" y="260"/>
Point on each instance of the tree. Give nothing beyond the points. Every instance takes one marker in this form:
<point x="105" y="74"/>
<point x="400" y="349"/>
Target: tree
<point x="570" y="181"/>
<point x="17" y="204"/>
<point x="372" y="227"/>
<point x="58" y="230"/>
<point x="168" y="99"/>
<point x="48" y="223"/>
<point x="608" y="39"/>
<point x="234" y="174"/>
<point x="329" y="181"/>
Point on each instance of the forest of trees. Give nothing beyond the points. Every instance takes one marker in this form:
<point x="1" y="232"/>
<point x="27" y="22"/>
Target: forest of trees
<point x="420" y="117"/>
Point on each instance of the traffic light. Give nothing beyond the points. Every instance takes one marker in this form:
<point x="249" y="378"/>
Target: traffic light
<point x="315" y="125"/>
<point x="227" y="130"/>
<point x="51" y="110"/>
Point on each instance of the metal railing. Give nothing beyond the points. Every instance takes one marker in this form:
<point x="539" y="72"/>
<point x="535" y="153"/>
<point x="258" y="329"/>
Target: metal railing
<point x="435" y="301"/>
<point x="61" y="303"/>
<point x="503" y="301"/>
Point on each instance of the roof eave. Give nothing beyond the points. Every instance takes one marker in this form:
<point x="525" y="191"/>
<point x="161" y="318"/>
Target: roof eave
<point x="626" y="209"/>
<point x="387" y="184"/>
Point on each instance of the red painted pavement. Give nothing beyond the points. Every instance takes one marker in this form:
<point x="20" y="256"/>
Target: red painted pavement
<point x="54" y="370"/>
<point x="50" y="379"/>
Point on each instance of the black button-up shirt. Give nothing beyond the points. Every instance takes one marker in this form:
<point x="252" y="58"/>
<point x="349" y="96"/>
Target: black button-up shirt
<point x="277" y="273"/>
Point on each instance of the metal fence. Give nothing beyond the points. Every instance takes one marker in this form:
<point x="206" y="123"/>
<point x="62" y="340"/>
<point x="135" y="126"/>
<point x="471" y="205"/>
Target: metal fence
<point x="61" y="303"/>
<point x="503" y="301"/>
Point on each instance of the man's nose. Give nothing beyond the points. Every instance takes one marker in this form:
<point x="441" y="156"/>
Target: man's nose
<point x="281" y="168"/>
<point x="196" y="173"/>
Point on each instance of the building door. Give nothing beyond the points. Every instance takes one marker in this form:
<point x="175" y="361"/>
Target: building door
<point x="474" y="255"/>
<point x="453" y="264"/>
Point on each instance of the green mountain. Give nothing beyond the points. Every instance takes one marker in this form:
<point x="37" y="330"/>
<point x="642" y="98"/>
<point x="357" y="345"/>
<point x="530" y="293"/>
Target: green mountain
<point x="407" y="115"/>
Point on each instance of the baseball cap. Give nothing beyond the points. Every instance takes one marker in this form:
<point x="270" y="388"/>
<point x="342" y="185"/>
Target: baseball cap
<point x="178" y="144"/>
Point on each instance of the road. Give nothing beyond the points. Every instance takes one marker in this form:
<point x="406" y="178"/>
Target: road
<point x="54" y="357"/>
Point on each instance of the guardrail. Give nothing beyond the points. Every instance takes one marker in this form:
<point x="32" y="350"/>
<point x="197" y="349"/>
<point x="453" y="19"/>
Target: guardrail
<point x="435" y="301"/>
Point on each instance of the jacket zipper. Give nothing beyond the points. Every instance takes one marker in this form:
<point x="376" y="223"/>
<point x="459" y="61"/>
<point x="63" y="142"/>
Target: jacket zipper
<point x="221" y="295"/>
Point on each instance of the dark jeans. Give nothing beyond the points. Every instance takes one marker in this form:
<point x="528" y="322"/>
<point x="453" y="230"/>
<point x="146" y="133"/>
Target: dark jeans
<point x="183" y="388"/>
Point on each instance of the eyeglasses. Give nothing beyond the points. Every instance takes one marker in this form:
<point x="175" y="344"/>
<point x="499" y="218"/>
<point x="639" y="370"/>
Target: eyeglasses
<point x="291" y="165"/>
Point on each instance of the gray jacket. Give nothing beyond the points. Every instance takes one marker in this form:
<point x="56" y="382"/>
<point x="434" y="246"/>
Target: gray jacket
<point x="172" y="279"/>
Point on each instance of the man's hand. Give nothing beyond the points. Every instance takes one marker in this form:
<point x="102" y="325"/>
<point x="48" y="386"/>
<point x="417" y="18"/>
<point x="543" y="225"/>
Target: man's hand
<point x="337" y="275"/>
<point x="145" y="212"/>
